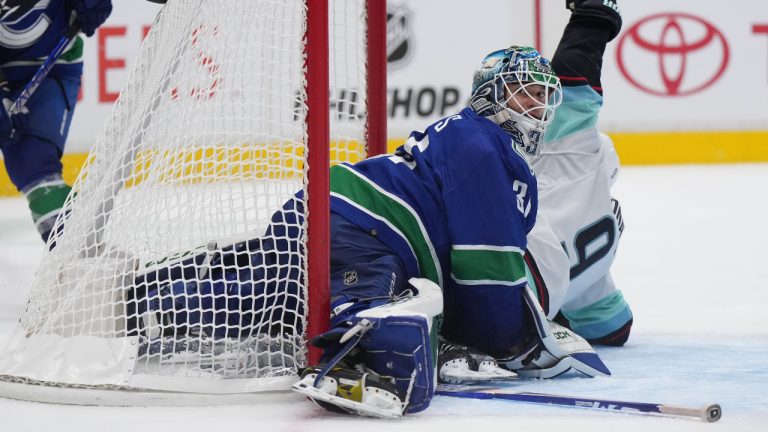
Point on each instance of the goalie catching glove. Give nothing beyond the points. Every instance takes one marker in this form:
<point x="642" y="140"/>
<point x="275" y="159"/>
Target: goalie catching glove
<point x="382" y="364"/>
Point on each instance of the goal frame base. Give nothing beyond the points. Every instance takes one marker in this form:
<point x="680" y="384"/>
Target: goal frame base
<point x="130" y="397"/>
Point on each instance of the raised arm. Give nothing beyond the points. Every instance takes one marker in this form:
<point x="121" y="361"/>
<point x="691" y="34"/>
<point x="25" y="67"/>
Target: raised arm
<point x="578" y="62"/>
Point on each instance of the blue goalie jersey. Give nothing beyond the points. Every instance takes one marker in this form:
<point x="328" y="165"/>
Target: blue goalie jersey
<point x="455" y="204"/>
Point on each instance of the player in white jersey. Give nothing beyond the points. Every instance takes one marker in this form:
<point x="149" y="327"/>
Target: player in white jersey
<point x="579" y="224"/>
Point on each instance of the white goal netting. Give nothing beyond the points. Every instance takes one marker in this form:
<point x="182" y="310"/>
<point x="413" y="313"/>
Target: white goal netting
<point x="169" y="271"/>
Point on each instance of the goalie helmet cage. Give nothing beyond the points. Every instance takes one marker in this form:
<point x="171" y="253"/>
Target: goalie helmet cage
<point x="176" y="278"/>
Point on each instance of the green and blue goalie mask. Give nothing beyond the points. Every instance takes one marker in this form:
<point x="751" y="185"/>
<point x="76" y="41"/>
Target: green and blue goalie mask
<point x="517" y="89"/>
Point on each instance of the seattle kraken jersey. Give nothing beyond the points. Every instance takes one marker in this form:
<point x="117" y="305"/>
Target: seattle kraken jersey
<point x="575" y="175"/>
<point x="455" y="203"/>
<point x="575" y="171"/>
<point x="29" y="30"/>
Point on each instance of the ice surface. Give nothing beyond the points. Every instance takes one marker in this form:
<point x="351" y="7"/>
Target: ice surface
<point x="692" y="263"/>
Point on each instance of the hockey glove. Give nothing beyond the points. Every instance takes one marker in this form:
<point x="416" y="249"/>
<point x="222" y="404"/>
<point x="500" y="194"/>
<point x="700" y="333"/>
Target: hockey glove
<point x="10" y="124"/>
<point x="91" y="14"/>
<point x="602" y="13"/>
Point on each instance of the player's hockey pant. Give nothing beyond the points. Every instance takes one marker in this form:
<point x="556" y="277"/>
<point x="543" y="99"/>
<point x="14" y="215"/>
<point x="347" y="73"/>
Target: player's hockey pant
<point x="250" y="287"/>
<point x="365" y="272"/>
<point x="36" y="152"/>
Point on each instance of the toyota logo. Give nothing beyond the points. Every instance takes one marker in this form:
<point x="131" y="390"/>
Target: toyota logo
<point x="687" y="54"/>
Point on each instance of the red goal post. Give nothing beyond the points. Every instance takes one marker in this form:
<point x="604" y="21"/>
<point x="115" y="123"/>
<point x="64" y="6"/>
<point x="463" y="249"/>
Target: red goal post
<point x="376" y="136"/>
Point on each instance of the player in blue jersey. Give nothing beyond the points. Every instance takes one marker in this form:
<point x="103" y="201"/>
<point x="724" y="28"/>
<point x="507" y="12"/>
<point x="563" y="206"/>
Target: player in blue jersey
<point x="574" y="242"/>
<point x="32" y="141"/>
<point x="570" y="264"/>
<point x="451" y="207"/>
<point x="434" y="232"/>
<point x="428" y="241"/>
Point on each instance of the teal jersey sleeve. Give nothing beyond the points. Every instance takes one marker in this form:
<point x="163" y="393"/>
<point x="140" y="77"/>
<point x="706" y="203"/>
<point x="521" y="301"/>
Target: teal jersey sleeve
<point x="579" y="111"/>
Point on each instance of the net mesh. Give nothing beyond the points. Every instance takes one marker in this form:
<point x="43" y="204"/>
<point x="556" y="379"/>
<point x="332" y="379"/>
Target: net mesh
<point x="174" y="267"/>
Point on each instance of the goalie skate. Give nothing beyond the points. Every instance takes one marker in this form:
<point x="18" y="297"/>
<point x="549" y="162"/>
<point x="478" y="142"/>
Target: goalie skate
<point x="458" y="364"/>
<point x="352" y="392"/>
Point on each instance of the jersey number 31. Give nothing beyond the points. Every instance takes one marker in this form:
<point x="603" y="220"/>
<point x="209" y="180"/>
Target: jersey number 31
<point x="522" y="190"/>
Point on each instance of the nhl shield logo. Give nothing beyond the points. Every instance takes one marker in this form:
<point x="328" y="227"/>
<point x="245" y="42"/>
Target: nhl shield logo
<point x="399" y="35"/>
<point x="350" y="277"/>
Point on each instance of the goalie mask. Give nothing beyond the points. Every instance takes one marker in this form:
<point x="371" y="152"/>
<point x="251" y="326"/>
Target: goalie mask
<point x="517" y="89"/>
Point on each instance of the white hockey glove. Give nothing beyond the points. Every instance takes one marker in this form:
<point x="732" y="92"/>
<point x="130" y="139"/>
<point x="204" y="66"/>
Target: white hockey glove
<point x="384" y="362"/>
<point x="11" y="123"/>
<point x="459" y="364"/>
<point x="556" y="351"/>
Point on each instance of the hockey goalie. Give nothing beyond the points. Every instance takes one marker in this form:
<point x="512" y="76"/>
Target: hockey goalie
<point x="429" y="276"/>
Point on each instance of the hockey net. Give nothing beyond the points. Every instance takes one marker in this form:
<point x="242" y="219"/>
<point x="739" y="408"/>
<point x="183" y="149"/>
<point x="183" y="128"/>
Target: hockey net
<point x="165" y="275"/>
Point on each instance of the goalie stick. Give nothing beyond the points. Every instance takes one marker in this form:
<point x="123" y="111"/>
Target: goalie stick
<point x="708" y="413"/>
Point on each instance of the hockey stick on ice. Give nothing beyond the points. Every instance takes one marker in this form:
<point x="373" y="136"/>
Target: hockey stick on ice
<point x="43" y="70"/>
<point x="708" y="413"/>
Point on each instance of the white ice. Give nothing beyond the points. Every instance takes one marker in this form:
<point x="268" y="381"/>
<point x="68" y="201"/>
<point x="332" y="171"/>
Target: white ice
<point x="692" y="263"/>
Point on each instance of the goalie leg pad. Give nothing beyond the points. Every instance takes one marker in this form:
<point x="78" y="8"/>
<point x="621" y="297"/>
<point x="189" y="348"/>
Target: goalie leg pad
<point x="395" y="347"/>
<point x="545" y="366"/>
<point x="404" y="343"/>
<point x="402" y="347"/>
<point x="395" y="340"/>
<point x="561" y="343"/>
<point x="557" y="350"/>
<point x="217" y="309"/>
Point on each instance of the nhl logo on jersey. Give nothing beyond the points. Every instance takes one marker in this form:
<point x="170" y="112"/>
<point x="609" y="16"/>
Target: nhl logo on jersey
<point x="350" y="277"/>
